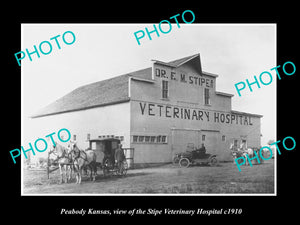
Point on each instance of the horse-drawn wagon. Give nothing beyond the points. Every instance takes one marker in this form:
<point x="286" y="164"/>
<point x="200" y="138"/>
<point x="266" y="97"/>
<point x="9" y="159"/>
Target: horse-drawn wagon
<point x="105" y="148"/>
<point x="100" y="153"/>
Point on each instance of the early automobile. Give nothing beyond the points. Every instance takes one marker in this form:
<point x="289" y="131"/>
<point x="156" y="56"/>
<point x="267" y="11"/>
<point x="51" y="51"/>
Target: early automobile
<point x="194" y="156"/>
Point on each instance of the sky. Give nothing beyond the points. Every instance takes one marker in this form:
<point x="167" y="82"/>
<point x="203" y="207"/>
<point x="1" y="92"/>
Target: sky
<point x="235" y="52"/>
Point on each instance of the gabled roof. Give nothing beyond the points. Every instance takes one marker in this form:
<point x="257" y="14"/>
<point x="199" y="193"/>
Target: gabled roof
<point x="194" y="60"/>
<point x="107" y="92"/>
<point x="179" y="62"/>
<point x="101" y="93"/>
<point x="92" y="95"/>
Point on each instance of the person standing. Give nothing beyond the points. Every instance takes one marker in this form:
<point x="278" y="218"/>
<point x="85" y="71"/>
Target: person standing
<point x="119" y="157"/>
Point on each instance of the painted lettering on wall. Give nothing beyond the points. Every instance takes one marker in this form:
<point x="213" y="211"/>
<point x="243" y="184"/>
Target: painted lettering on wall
<point x="177" y="112"/>
<point x="184" y="78"/>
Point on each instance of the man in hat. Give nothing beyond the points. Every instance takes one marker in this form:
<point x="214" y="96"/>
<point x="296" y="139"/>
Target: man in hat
<point x="119" y="157"/>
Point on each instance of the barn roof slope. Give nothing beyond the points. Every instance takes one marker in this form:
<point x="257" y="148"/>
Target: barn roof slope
<point x="101" y="93"/>
<point x="106" y="92"/>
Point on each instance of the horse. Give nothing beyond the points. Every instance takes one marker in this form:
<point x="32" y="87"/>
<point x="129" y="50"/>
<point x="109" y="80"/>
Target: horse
<point x="82" y="159"/>
<point x="236" y="152"/>
<point x="254" y="153"/>
<point x="241" y="151"/>
<point x="62" y="157"/>
<point x="249" y="152"/>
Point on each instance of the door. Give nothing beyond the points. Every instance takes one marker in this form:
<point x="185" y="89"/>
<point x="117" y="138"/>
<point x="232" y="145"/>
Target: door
<point x="182" y="138"/>
<point x="211" y="141"/>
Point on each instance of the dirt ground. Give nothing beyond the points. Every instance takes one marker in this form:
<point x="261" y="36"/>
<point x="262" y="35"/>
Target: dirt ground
<point x="168" y="179"/>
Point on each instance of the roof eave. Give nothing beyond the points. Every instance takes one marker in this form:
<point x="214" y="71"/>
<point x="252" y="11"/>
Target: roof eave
<point x="79" y="109"/>
<point x="162" y="63"/>
<point x="142" y="79"/>
<point x="209" y="74"/>
<point x="224" y="94"/>
<point x="248" y="114"/>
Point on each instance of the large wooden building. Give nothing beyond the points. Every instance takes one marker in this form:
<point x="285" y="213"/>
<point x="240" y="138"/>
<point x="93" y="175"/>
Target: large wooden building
<point x="157" y="111"/>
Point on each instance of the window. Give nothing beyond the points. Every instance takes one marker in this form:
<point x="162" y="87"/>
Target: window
<point x="223" y="138"/>
<point x="206" y="96"/>
<point x="135" y="139"/>
<point x="235" y="142"/>
<point x="88" y="136"/>
<point x="244" y="143"/>
<point x="74" y="137"/>
<point x="165" y="88"/>
<point x="152" y="139"/>
<point x="114" y="144"/>
<point x="141" y="138"/>
<point x="159" y="139"/>
<point x="147" y="138"/>
<point x="203" y="137"/>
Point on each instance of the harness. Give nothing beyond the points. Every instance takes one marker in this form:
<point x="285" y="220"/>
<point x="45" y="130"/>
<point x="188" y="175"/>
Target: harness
<point x="80" y="155"/>
<point x="64" y="155"/>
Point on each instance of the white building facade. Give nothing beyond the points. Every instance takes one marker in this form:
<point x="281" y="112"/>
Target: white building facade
<point x="158" y="111"/>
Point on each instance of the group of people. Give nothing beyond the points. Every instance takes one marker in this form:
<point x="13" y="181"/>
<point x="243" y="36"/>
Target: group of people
<point x="238" y="151"/>
<point x="242" y="151"/>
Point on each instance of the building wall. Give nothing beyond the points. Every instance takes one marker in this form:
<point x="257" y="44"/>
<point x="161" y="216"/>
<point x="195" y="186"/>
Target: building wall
<point x="106" y="120"/>
<point x="178" y="121"/>
<point x="184" y="118"/>
<point x="182" y="131"/>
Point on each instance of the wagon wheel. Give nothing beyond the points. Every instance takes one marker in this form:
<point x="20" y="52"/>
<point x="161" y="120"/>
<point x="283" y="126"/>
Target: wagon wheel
<point x="122" y="171"/>
<point x="184" y="162"/>
<point x="106" y="168"/>
<point x="175" y="160"/>
<point x="106" y="172"/>
<point x="213" y="161"/>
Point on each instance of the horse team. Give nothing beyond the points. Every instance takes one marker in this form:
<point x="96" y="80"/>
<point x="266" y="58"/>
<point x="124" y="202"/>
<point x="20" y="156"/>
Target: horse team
<point x="242" y="151"/>
<point x="71" y="159"/>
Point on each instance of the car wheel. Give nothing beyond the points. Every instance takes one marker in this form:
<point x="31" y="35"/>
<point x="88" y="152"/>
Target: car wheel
<point x="175" y="160"/>
<point x="184" y="162"/>
<point x="213" y="161"/>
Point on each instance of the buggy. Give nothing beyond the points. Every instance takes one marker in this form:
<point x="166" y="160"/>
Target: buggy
<point x="104" y="147"/>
